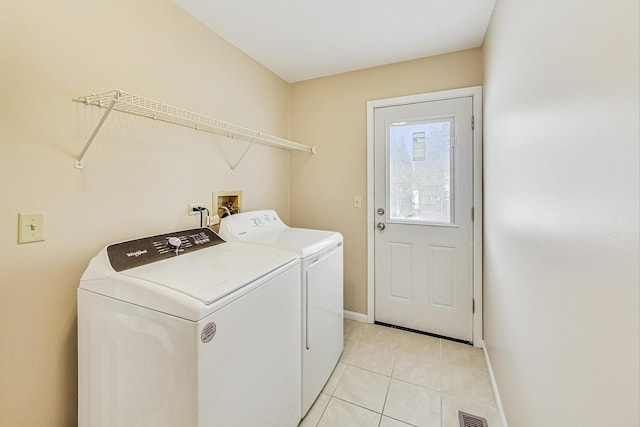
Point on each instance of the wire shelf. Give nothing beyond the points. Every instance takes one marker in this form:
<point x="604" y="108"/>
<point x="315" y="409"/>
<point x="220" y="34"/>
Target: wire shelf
<point x="129" y="103"/>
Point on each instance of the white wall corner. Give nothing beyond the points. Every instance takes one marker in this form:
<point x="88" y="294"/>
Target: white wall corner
<point x="494" y="387"/>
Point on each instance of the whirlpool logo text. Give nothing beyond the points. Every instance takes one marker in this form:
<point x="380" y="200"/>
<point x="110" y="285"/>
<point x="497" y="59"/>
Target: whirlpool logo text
<point x="137" y="253"/>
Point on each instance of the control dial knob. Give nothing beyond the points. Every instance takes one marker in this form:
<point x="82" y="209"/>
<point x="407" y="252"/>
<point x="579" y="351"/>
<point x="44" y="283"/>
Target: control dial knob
<point x="175" y="242"/>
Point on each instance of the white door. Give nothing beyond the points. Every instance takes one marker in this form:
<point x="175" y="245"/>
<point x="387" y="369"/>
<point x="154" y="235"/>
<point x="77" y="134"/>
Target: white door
<point x="423" y="200"/>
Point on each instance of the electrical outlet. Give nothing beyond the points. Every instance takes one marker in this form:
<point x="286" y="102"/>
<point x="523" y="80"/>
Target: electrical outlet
<point x="190" y="207"/>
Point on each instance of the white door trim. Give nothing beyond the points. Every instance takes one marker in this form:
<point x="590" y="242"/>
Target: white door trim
<point x="476" y="93"/>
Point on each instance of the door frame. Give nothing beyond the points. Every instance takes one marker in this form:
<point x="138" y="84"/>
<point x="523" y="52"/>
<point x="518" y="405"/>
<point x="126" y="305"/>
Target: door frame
<point x="475" y="92"/>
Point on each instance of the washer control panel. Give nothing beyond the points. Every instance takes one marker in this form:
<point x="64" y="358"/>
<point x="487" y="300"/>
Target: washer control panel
<point x="146" y="250"/>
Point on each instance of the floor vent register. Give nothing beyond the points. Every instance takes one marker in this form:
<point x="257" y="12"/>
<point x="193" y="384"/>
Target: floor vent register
<point x="468" y="420"/>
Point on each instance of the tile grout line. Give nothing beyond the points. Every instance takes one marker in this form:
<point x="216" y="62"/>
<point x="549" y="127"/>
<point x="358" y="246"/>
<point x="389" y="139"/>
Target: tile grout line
<point x="323" y="411"/>
<point x="355" y="404"/>
<point x="370" y="410"/>
<point x="386" y="395"/>
<point x="388" y="377"/>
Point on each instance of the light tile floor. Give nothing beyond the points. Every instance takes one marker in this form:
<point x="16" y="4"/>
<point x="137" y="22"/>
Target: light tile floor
<point x="392" y="378"/>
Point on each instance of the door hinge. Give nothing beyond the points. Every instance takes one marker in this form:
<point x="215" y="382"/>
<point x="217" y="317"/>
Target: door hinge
<point x="473" y="306"/>
<point x="473" y="122"/>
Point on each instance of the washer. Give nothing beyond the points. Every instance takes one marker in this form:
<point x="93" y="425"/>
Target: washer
<point x="184" y="329"/>
<point x="321" y="253"/>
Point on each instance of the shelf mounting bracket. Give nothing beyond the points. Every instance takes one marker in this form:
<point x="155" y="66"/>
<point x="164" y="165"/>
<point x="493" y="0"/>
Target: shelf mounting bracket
<point x="80" y="160"/>
<point x="244" y="153"/>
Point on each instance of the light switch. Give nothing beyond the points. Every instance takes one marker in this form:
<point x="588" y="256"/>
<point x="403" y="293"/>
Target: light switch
<point x="30" y="227"/>
<point x="357" y="201"/>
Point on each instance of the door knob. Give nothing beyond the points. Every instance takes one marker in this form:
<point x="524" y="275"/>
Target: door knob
<point x="381" y="226"/>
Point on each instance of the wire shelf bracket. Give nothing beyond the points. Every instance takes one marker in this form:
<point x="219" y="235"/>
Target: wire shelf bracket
<point x="129" y="103"/>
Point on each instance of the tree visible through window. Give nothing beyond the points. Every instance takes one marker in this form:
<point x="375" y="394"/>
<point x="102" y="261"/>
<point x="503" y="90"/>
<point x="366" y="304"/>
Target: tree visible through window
<point x="420" y="171"/>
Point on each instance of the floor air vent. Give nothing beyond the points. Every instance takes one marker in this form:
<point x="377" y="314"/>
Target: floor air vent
<point x="468" y="420"/>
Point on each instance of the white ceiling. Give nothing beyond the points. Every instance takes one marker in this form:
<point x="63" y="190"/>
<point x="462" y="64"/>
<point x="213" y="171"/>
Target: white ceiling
<point x="305" y="39"/>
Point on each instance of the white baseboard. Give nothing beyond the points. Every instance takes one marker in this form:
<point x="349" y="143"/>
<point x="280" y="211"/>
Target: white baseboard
<point x="352" y="315"/>
<point x="494" y="386"/>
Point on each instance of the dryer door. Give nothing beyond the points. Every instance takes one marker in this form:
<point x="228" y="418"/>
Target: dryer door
<point x="323" y="323"/>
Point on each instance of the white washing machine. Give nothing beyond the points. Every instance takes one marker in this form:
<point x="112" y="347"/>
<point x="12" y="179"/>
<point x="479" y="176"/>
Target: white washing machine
<point x="321" y="253"/>
<point x="184" y="329"/>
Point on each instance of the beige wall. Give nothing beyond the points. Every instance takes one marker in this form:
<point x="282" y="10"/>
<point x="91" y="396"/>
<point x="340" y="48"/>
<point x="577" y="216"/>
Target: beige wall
<point x="331" y="113"/>
<point x="139" y="175"/>
<point x="561" y="153"/>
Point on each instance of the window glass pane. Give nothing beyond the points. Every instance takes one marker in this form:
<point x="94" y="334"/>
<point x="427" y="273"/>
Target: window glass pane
<point x="419" y="167"/>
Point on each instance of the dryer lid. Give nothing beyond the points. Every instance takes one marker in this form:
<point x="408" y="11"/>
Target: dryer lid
<point x="266" y="228"/>
<point x="301" y="241"/>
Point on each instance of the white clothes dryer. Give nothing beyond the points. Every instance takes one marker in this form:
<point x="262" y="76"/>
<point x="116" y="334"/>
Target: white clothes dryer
<point x="321" y="253"/>
<point x="184" y="329"/>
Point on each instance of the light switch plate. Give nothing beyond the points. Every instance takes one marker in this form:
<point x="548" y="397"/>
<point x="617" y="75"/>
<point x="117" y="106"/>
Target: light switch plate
<point x="357" y="201"/>
<point x="30" y="227"/>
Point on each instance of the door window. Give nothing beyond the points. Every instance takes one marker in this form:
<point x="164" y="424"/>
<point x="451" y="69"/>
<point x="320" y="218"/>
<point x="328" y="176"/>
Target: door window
<point x="420" y="171"/>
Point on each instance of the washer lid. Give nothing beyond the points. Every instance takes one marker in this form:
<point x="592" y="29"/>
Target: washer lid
<point x="212" y="273"/>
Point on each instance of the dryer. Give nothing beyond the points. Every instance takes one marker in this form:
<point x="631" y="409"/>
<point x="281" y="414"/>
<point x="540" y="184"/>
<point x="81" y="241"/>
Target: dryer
<point x="184" y="329"/>
<point x="321" y="281"/>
